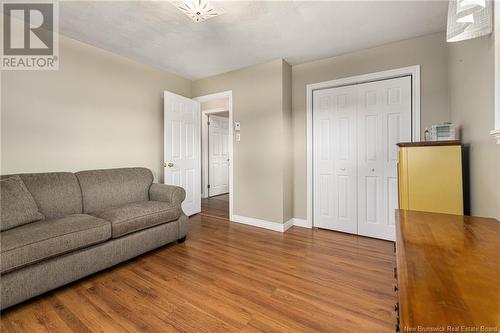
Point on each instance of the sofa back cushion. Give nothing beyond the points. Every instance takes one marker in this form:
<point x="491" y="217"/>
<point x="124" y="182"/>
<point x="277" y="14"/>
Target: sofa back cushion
<point x="18" y="206"/>
<point x="56" y="193"/>
<point x="102" y="189"/>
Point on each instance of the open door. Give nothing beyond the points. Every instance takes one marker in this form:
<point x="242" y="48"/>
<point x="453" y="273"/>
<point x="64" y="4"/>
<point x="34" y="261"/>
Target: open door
<point x="218" y="155"/>
<point x="182" y="148"/>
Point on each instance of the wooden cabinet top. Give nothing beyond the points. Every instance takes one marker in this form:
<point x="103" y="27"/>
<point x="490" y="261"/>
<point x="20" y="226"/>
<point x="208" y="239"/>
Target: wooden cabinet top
<point x="430" y="143"/>
<point x="448" y="270"/>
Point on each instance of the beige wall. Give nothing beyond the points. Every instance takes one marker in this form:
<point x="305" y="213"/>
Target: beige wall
<point x="99" y="110"/>
<point x="471" y="79"/>
<point x="428" y="51"/>
<point x="258" y="157"/>
<point x="222" y="103"/>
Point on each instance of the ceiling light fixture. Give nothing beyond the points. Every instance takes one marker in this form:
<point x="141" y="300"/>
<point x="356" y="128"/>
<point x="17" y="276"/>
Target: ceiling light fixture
<point x="469" y="19"/>
<point x="198" y="10"/>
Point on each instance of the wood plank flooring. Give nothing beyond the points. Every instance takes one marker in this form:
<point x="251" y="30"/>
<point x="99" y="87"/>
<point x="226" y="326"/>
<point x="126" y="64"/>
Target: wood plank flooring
<point x="217" y="206"/>
<point x="229" y="277"/>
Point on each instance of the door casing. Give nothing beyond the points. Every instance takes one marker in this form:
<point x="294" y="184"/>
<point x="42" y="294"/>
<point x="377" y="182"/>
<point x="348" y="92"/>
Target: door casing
<point x="413" y="71"/>
<point x="204" y="143"/>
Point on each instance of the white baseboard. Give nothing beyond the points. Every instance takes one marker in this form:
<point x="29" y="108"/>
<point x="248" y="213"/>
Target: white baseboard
<point x="280" y="227"/>
<point x="301" y="223"/>
<point x="288" y="224"/>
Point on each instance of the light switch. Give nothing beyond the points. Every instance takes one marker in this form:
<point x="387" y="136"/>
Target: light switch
<point x="238" y="137"/>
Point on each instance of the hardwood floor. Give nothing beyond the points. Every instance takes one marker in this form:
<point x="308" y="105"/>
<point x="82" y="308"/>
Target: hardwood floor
<point x="217" y="206"/>
<point x="229" y="277"/>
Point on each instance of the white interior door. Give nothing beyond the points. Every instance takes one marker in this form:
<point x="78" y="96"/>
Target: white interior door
<point x="182" y="148"/>
<point x="335" y="159"/>
<point x="384" y="119"/>
<point x="218" y="155"/>
<point x="355" y="131"/>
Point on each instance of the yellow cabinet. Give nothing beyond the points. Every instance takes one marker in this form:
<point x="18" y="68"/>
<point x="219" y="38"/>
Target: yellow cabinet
<point x="430" y="177"/>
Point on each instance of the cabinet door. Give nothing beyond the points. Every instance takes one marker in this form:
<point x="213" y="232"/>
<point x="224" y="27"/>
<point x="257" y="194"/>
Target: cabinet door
<point x="435" y="179"/>
<point x="334" y="162"/>
<point x="384" y="119"/>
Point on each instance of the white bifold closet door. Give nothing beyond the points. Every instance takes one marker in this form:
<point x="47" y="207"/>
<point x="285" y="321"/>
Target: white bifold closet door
<point x="334" y="151"/>
<point x="355" y="131"/>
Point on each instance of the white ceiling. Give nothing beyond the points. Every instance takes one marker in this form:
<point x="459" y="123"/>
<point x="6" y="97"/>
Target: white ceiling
<point x="250" y="32"/>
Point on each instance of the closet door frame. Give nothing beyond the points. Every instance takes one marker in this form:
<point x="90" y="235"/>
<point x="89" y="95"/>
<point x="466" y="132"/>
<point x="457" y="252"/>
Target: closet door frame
<point x="413" y="71"/>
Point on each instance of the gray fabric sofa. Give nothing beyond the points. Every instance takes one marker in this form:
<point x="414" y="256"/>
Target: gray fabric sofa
<point x="86" y="221"/>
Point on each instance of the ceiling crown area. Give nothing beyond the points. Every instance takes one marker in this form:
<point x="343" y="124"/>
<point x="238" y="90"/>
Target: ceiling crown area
<point x="248" y="33"/>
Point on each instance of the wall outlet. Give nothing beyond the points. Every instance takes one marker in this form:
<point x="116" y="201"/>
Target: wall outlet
<point x="238" y="137"/>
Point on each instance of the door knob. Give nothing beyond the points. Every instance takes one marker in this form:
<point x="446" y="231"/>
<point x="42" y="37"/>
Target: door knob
<point x="372" y="169"/>
<point x="170" y="164"/>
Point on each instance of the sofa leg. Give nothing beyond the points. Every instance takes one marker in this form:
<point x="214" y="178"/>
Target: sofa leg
<point x="181" y="240"/>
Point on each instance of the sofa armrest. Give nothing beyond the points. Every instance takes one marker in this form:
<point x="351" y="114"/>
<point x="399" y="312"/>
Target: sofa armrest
<point x="167" y="193"/>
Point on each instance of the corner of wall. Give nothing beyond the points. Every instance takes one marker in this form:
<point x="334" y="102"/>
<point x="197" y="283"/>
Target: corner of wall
<point x="286" y="104"/>
<point x="471" y="98"/>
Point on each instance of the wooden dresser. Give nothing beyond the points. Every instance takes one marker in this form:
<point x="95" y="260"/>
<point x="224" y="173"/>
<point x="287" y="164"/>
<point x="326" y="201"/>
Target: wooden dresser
<point x="448" y="272"/>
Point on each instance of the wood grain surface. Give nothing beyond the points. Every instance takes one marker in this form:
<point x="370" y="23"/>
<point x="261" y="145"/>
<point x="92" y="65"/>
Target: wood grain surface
<point x="448" y="269"/>
<point x="229" y="277"/>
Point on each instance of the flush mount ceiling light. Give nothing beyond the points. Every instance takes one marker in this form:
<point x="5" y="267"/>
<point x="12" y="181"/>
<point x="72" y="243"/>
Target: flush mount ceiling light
<point x="469" y="19"/>
<point x="198" y="10"/>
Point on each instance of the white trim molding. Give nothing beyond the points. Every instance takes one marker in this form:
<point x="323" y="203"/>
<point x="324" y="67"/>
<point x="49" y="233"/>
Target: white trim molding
<point x="496" y="20"/>
<point x="225" y="94"/>
<point x="280" y="227"/>
<point x="300" y="223"/>
<point x="496" y="135"/>
<point x="413" y="71"/>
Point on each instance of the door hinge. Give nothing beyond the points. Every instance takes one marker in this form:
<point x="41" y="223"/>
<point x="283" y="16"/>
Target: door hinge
<point x="208" y="186"/>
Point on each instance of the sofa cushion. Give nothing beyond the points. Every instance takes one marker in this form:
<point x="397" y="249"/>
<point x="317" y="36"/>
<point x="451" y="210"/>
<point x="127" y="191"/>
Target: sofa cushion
<point x="139" y="215"/>
<point x="103" y="189"/>
<point x="56" y="193"/>
<point x="18" y="206"/>
<point x="44" y="239"/>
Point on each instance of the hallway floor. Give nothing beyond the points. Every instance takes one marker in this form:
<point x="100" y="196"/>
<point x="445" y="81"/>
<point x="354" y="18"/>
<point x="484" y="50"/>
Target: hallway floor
<point x="216" y="206"/>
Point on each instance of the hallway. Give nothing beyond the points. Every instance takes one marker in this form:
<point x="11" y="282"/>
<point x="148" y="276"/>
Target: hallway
<point x="217" y="206"/>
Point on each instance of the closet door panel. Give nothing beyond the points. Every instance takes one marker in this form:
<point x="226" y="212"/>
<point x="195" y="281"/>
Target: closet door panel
<point x="323" y="162"/>
<point x="384" y="119"/>
<point x="334" y="159"/>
